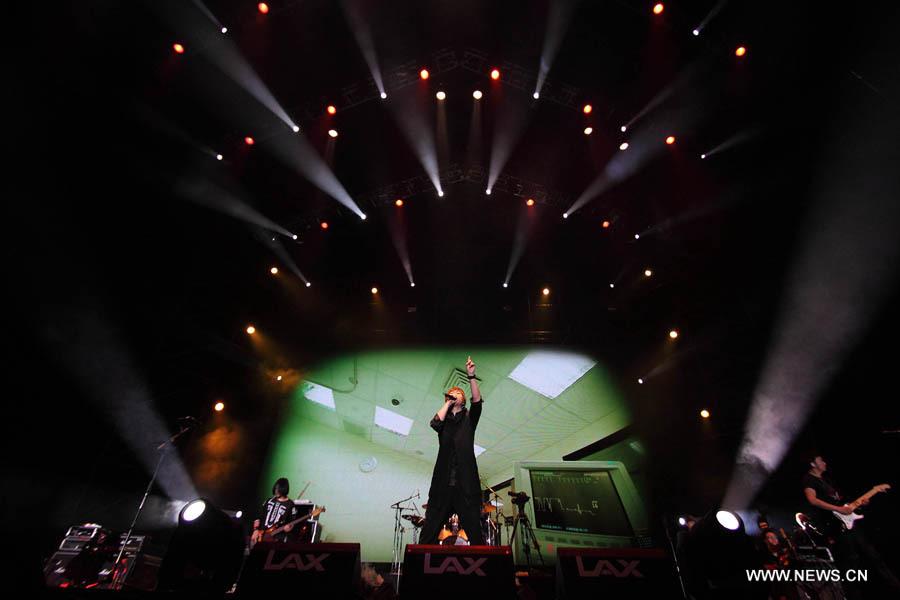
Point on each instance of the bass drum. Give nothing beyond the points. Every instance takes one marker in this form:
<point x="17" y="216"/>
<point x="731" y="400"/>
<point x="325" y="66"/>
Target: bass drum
<point x="455" y="540"/>
<point x="452" y="535"/>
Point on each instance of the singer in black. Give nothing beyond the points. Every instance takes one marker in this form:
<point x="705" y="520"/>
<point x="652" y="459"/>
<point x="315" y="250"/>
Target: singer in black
<point x="455" y="485"/>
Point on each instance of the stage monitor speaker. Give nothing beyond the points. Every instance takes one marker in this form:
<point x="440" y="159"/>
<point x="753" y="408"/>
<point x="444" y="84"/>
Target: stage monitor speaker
<point x="437" y="572"/>
<point x="612" y="573"/>
<point x="283" y="569"/>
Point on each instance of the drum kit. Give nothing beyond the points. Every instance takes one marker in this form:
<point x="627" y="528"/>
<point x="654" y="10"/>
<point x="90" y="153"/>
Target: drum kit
<point x="452" y="535"/>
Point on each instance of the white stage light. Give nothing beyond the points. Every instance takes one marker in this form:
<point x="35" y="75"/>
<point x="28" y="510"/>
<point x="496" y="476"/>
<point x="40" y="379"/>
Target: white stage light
<point x="383" y="95"/>
<point x="728" y="520"/>
<point x="193" y="510"/>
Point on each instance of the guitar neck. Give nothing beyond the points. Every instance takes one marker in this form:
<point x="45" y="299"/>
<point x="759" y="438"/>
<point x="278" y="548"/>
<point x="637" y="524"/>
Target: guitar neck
<point x="869" y="494"/>
<point x="278" y="530"/>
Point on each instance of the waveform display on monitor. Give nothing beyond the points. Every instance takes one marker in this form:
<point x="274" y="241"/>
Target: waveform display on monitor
<point x="579" y="502"/>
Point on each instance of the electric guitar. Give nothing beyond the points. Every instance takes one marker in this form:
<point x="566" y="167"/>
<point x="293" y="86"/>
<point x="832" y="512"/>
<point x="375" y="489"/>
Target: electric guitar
<point x="847" y="520"/>
<point x="268" y="535"/>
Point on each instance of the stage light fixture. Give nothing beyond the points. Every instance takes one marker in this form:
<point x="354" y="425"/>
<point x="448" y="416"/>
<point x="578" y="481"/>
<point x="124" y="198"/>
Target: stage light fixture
<point x="612" y="285"/>
<point x="702" y="156"/>
<point x="398" y="202"/>
<point x="658" y="8"/>
<point x="588" y="130"/>
<point x="488" y="191"/>
<point x="296" y="128"/>
<point x="332" y="133"/>
<point x="224" y="30"/>
<point x="219" y="157"/>
<point x="530" y="202"/>
<point x="424" y="74"/>
<point x="324" y="225"/>
<point x="278" y="378"/>
<point x="696" y="32"/>
<point x="647" y="272"/>
<point x="495" y="74"/>
<point x="670" y="140"/>
<point x="178" y="48"/>
<point x="274" y="270"/>
<point x="740" y="51"/>
<point x="441" y="95"/>
<point x="681" y="521"/>
<point x="605" y="224"/>
<point x="505" y="285"/>
<point x="623" y="146"/>
<point x="249" y="141"/>
<point x="383" y="95"/>
<point x="192" y="510"/>
<point x="331" y="109"/>
<point x="374" y="290"/>
<point x="536" y="95"/>
<point x="219" y="407"/>
<point x="412" y="284"/>
<point x="640" y="381"/>
<point x="673" y="334"/>
<point x="251" y="329"/>
<point x="477" y="94"/>
<point x="363" y="216"/>
<point x="565" y="215"/>
<point x="704" y="413"/>
<point x="441" y="193"/>
<point x="587" y="109"/>
<point x="239" y="514"/>
<point x="308" y="284"/>
<point x="263" y="8"/>
<point x="728" y="520"/>
<point x="623" y="128"/>
<point x="546" y="291"/>
<point x="294" y="236"/>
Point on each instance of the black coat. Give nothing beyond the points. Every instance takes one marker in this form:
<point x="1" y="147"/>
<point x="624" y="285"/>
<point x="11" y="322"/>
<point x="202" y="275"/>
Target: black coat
<point x="458" y="432"/>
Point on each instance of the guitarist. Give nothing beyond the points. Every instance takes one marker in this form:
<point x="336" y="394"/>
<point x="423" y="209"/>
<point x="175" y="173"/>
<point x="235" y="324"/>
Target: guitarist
<point x="851" y="549"/>
<point x="277" y="510"/>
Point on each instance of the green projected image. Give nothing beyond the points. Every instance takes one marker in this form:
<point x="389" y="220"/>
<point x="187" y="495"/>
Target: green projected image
<point x="580" y="502"/>
<point x="357" y="429"/>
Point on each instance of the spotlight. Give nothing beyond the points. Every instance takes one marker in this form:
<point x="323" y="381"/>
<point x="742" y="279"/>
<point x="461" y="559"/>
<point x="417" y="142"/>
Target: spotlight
<point x="399" y="202"/>
<point x="637" y="236"/>
<point x="588" y="130"/>
<point x="728" y="520"/>
<point x="441" y="95"/>
<point x="263" y="8"/>
<point x="332" y="133"/>
<point x="565" y="215"/>
<point x="704" y="413"/>
<point x="587" y="109"/>
<point x="278" y="378"/>
<point x="239" y="514"/>
<point x="505" y="285"/>
<point x="488" y="191"/>
<point x="331" y="109"/>
<point x="274" y="270"/>
<point x="477" y="94"/>
<point x="702" y="156"/>
<point x="374" y="290"/>
<point x="192" y="510"/>
<point x="249" y="141"/>
<point x="363" y="216"/>
<point x="696" y="32"/>
<point x="612" y="285"/>
<point x="647" y="272"/>
<point x="536" y="95"/>
<point x="424" y="74"/>
<point x="294" y="236"/>
<point x="219" y="157"/>
<point x="546" y="291"/>
<point x="219" y="407"/>
<point x="412" y="284"/>
<point x="251" y="329"/>
<point x="324" y="225"/>
<point x="495" y="74"/>
<point x="178" y="48"/>
<point x="441" y="193"/>
<point x="530" y="202"/>
<point x="640" y="381"/>
<point x="670" y="140"/>
<point x="296" y="129"/>
<point x="740" y="51"/>
<point x="681" y="521"/>
<point x="224" y="30"/>
<point x="605" y="224"/>
<point x="623" y="146"/>
<point x="383" y="96"/>
<point x="658" y="8"/>
<point x="623" y="128"/>
<point x="673" y="334"/>
<point x="308" y="284"/>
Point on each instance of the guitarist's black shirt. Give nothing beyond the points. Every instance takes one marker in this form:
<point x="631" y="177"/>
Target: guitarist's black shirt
<point x="277" y="512"/>
<point x="826" y="492"/>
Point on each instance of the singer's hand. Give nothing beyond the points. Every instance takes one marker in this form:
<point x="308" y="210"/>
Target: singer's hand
<point x="470" y="367"/>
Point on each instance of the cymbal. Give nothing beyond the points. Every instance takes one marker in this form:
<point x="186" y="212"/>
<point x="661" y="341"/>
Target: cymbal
<point x="415" y="519"/>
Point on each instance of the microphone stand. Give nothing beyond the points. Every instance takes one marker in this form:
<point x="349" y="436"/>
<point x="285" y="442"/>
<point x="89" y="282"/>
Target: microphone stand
<point x="117" y="574"/>
<point x="398" y="537"/>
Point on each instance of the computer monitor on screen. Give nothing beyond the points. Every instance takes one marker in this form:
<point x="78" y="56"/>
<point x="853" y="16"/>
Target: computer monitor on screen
<point x="589" y="504"/>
